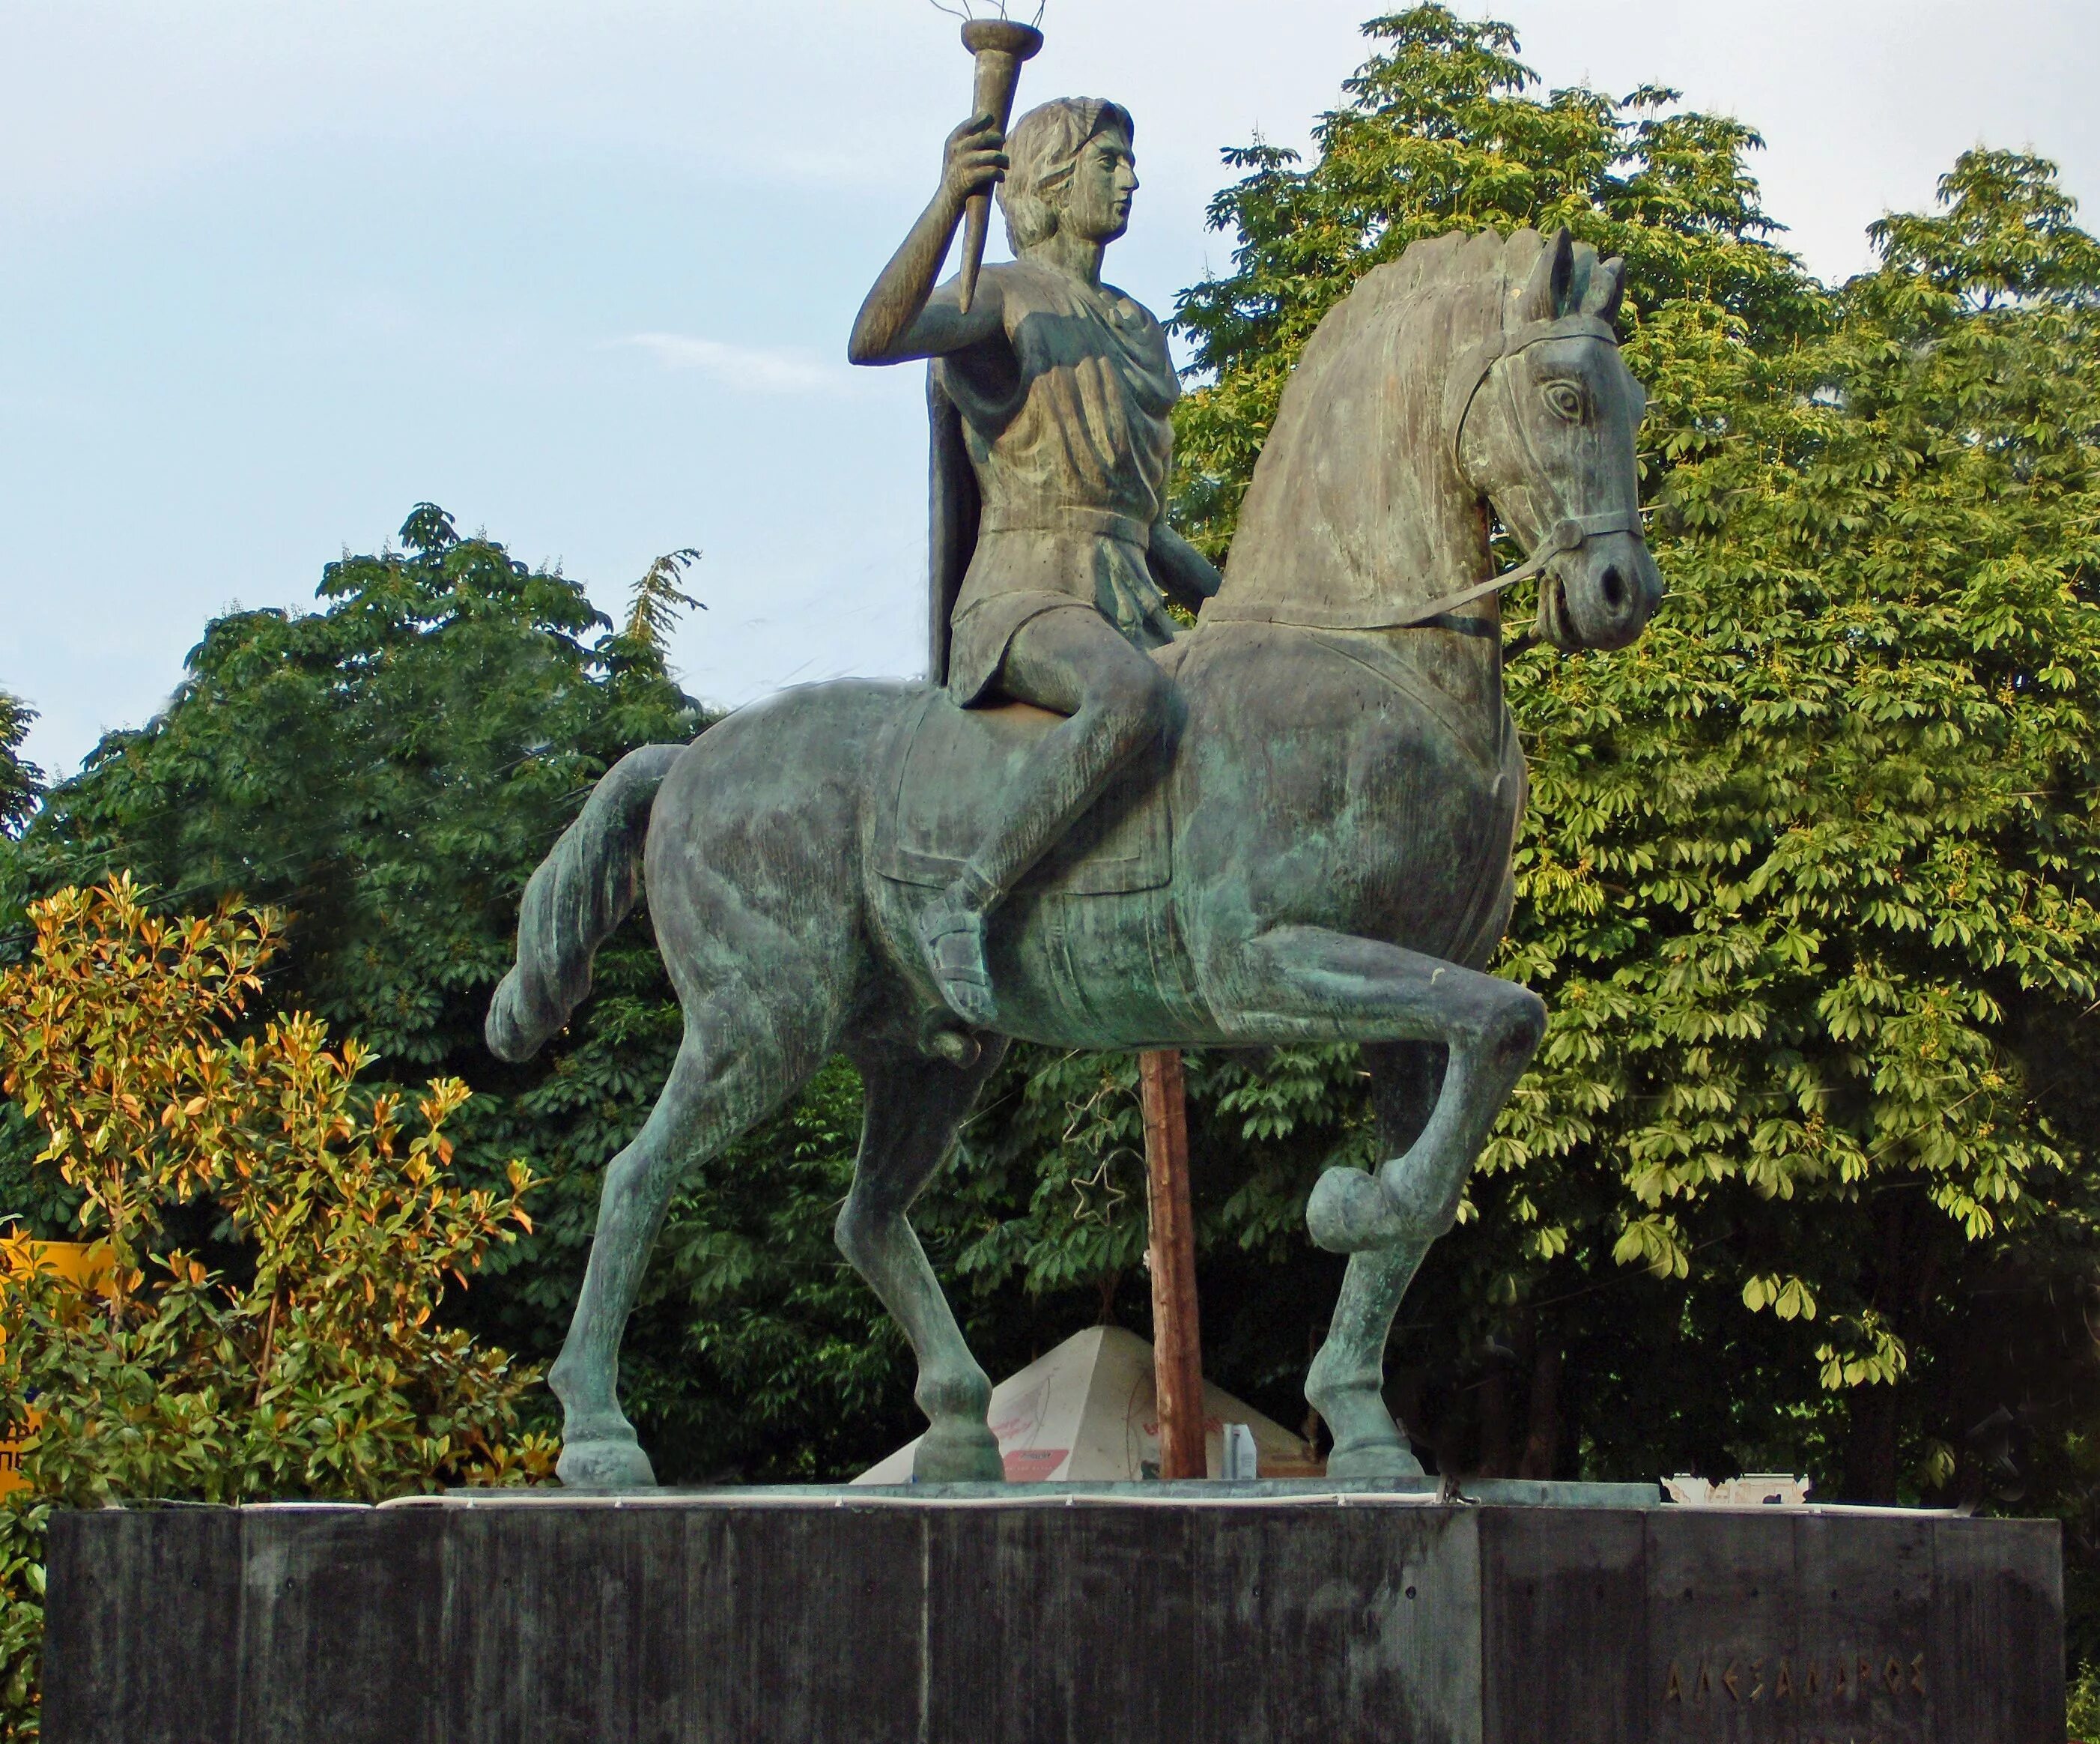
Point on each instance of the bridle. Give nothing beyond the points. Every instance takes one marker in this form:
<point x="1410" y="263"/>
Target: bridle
<point x="1462" y="387"/>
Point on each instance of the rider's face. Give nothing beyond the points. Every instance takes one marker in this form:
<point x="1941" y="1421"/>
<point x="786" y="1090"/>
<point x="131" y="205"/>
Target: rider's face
<point x="1097" y="198"/>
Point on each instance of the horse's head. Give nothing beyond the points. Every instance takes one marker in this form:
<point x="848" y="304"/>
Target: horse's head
<point x="1540" y="416"/>
<point x="1474" y="368"/>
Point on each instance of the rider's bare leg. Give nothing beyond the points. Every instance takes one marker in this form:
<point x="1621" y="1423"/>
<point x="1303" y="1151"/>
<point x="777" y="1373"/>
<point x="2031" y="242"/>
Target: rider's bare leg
<point x="1073" y="661"/>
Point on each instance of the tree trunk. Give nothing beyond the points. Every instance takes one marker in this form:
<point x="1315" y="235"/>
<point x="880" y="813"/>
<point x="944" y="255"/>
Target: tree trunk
<point x="1541" y="1444"/>
<point x="1870" y="1442"/>
<point x="1494" y="1460"/>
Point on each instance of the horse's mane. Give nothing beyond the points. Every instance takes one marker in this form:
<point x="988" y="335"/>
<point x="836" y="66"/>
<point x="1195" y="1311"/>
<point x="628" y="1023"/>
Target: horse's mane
<point x="1476" y="272"/>
<point x="1359" y="431"/>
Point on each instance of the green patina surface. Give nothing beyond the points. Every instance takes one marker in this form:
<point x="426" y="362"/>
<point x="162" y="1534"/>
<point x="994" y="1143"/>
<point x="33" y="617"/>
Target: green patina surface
<point x="1294" y="824"/>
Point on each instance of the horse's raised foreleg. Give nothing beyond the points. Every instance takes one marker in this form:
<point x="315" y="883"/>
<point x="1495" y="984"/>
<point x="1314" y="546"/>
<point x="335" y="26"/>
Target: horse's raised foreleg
<point x="730" y="1075"/>
<point x="1322" y="983"/>
<point x="913" y="1107"/>
<point x="1358" y="989"/>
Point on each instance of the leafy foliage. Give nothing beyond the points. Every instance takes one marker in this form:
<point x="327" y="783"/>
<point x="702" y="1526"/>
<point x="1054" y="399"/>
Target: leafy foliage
<point x="278" y="1248"/>
<point x="387" y="771"/>
<point x="21" y="781"/>
<point x="1801" y="1175"/>
<point x="657" y="600"/>
<point x="1806" y="864"/>
<point x="336" y="1230"/>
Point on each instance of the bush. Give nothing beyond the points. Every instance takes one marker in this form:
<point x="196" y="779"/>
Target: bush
<point x="267" y="1324"/>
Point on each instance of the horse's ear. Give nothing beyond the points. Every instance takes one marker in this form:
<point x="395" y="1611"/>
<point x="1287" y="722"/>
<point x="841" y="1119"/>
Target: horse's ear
<point x="1546" y="293"/>
<point x="1607" y="288"/>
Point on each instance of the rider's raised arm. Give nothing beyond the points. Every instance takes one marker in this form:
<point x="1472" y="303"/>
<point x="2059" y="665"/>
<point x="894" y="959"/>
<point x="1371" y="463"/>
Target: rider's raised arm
<point x="903" y="319"/>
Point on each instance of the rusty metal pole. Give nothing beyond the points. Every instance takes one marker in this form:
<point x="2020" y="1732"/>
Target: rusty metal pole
<point x="1177" y="1350"/>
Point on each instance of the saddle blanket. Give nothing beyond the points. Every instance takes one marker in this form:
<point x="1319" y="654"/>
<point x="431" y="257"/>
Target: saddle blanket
<point x="949" y="769"/>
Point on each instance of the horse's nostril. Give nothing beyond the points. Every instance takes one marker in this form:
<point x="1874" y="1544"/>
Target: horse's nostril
<point x="1614" y="586"/>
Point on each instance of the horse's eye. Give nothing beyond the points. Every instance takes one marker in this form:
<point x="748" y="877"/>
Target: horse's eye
<point x="1566" y="399"/>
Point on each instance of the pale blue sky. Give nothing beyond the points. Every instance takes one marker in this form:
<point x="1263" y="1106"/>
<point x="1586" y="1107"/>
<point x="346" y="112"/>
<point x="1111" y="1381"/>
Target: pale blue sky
<point x="275" y="270"/>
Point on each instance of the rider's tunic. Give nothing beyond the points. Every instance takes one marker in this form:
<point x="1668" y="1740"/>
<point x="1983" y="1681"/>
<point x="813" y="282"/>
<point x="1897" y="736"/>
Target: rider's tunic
<point x="1071" y="451"/>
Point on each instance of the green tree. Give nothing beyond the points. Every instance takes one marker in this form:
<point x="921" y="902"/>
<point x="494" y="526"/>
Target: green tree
<point x="387" y="770"/>
<point x="21" y="782"/>
<point x="1808" y="877"/>
<point x="1801" y="977"/>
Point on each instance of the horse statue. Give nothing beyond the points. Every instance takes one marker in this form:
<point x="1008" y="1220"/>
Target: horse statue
<point x="1319" y="851"/>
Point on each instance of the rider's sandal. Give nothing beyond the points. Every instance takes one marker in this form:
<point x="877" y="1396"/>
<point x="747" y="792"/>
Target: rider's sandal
<point x="953" y="939"/>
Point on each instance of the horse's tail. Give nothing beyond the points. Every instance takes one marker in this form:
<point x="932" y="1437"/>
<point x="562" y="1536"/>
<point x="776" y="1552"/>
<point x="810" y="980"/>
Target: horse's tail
<point x="582" y="891"/>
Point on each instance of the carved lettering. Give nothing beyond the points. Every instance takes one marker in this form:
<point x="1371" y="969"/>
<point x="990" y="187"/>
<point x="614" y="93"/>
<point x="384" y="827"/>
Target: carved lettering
<point x="1842" y="1677"/>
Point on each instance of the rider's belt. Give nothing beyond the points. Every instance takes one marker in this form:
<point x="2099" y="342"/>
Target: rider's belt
<point x="1084" y="523"/>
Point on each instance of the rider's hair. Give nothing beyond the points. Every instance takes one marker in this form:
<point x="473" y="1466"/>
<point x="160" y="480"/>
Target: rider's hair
<point x="1041" y="150"/>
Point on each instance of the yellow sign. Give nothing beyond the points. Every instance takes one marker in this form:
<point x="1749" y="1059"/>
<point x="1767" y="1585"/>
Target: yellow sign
<point x="86" y="1264"/>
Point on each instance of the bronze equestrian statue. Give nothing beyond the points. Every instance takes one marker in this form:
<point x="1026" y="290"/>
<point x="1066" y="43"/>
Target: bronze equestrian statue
<point x="1293" y="823"/>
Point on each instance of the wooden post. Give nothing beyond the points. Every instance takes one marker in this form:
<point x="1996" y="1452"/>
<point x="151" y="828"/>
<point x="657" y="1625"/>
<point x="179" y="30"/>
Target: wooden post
<point x="1177" y="1350"/>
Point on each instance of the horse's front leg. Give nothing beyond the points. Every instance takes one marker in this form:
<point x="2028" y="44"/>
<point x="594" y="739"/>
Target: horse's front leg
<point x="1307" y="981"/>
<point x="1432" y="1125"/>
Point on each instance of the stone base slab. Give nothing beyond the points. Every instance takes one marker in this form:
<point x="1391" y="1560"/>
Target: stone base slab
<point x="1028" y="1616"/>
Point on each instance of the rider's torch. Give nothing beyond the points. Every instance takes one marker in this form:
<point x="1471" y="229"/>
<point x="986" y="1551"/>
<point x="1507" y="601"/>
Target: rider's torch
<point x="1000" y="46"/>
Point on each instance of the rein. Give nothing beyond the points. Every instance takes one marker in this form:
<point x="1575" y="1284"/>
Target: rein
<point x="1567" y="533"/>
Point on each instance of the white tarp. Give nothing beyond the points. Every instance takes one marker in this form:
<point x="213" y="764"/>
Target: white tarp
<point x="1085" y="1412"/>
<point x="1752" y="1489"/>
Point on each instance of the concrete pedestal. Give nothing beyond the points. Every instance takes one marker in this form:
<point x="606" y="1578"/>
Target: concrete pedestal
<point x="1027" y="1615"/>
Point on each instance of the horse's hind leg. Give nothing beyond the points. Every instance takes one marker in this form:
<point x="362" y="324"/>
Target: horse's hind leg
<point x="731" y="1072"/>
<point x="913" y="1106"/>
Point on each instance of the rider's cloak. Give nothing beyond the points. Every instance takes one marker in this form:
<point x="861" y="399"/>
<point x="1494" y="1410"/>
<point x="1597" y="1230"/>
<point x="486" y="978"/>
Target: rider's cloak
<point x="955" y="504"/>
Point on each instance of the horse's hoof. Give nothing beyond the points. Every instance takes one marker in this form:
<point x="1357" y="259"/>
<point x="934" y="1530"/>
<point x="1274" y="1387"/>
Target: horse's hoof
<point x="1374" y="1459"/>
<point x="1349" y="1212"/>
<point x="605" y="1465"/>
<point x="960" y="1456"/>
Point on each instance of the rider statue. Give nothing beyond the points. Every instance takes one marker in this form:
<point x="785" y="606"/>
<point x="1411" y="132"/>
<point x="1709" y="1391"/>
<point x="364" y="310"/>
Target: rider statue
<point x="1051" y="399"/>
